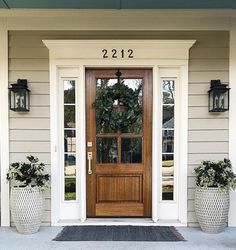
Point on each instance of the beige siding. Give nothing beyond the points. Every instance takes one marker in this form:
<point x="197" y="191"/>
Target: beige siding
<point x="208" y="133"/>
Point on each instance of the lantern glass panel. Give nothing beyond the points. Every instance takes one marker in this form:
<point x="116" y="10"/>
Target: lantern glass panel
<point x="19" y="100"/>
<point x="218" y="100"/>
<point x="226" y="100"/>
<point x="211" y="101"/>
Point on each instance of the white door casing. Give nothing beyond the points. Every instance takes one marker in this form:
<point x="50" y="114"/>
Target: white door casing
<point x="168" y="59"/>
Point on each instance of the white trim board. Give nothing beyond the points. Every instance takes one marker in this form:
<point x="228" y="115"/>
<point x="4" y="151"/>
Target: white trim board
<point x="65" y="55"/>
<point x="4" y="124"/>
<point x="232" y="118"/>
<point x="122" y="222"/>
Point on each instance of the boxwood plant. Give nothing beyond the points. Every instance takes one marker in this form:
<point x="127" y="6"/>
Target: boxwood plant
<point x="28" y="174"/>
<point x="216" y="174"/>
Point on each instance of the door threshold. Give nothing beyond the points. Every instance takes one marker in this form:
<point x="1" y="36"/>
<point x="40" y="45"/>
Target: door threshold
<point x="120" y="222"/>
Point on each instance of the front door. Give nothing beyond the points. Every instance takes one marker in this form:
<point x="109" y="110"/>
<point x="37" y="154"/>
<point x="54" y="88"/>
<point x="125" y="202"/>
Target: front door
<point x="119" y="142"/>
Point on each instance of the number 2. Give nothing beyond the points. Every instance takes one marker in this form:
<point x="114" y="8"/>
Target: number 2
<point x="130" y="52"/>
<point x="104" y="51"/>
<point x="114" y="51"/>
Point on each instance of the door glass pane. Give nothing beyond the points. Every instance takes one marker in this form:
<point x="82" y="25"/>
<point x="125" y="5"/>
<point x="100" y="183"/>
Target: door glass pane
<point x="70" y="165"/>
<point x="107" y="151"/>
<point x="168" y="116"/>
<point x="135" y="128"/>
<point x="135" y="85"/>
<point x="167" y="165"/>
<point x="101" y="129"/>
<point x="69" y="116"/>
<point x="168" y="91"/>
<point x="131" y="150"/>
<point x="168" y="141"/>
<point x="101" y="84"/>
<point x="167" y="176"/>
<point x="105" y="82"/>
<point x="70" y="189"/>
<point x="69" y="91"/>
<point x="70" y="141"/>
<point x="167" y="188"/>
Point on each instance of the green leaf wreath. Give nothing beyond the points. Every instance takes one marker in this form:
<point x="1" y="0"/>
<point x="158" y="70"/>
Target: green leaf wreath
<point x="115" y="119"/>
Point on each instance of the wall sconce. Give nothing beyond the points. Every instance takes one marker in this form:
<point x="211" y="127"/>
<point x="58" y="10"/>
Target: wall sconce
<point x="218" y="97"/>
<point x="19" y="96"/>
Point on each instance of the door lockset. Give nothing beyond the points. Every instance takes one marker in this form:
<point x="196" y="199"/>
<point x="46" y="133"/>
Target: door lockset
<point x="90" y="157"/>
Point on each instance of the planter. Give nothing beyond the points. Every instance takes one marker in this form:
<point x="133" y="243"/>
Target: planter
<point x="27" y="208"/>
<point x="212" y="208"/>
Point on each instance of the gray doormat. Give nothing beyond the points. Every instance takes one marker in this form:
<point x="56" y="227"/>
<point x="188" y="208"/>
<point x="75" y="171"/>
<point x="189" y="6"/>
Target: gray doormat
<point x="119" y="233"/>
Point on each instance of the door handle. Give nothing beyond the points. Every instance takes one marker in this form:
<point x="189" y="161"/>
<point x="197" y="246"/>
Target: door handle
<point x="90" y="157"/>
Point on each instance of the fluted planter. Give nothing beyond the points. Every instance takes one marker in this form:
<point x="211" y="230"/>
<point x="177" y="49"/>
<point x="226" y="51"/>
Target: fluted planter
<point x="212" y="208"/>
<point x="27" y="208"/>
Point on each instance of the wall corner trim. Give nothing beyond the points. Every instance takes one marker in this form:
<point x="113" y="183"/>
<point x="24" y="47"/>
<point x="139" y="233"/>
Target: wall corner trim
<point x="232" y="118"/>
<point x="4" y="124"/>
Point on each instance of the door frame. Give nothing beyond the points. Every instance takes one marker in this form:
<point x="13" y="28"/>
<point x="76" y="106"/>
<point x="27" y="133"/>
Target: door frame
<point x="67" y="54"/>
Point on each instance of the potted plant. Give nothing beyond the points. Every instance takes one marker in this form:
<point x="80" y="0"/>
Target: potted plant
<point x="28" y="182"/>
<point x="214" y="180"/>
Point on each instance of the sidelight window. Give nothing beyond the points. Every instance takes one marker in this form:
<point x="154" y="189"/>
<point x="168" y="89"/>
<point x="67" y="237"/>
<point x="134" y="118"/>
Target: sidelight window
<point x="168" y="132"/>
<point x="69" y="140"/>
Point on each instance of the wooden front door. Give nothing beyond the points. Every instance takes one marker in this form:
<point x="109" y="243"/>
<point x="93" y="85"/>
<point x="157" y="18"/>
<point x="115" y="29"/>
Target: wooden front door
<point x="119" y="183"/>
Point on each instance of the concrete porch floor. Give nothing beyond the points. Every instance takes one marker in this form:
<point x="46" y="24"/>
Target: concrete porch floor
<point x="196" y="239"/>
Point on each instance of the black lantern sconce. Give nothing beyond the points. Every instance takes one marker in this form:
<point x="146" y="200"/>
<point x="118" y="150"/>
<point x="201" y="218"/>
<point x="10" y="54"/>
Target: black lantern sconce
<point x="19" y="96"/>
<point x="218" y="97"/>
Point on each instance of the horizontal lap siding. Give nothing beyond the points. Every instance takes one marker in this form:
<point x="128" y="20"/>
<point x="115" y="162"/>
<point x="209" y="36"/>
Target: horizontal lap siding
<point x="207" y="133"/>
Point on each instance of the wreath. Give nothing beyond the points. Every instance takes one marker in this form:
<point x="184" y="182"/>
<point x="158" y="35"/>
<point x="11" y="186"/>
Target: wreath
<point x="114" y="118"/>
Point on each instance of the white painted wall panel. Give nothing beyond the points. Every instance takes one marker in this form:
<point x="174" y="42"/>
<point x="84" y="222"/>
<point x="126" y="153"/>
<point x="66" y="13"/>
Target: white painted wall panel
<point x="43" y="157"/>
<point x="198" y="88"/>
<point x="40" y="100"/>
<point x="29" y="135"/>
<point x="29" y="147"/>
<point x="208" y="147"/>
<point x="210" y="52"/>
<point x="196" y="158"/>
<point x="198" y="101"/>
<point x="203" y="124"/>
<point x="202" y="112"/>
<point x="29" y="64"/>
<point x="30" y="123"/>
<point x="208" y="135"/>
<point x="32" y="76"/>
<point x="35" y="112"/>
<point x="206" y="65"/>
<point x="201" y="76"/>
<point x="19" y="53"/>
<point x="40" y="88"/>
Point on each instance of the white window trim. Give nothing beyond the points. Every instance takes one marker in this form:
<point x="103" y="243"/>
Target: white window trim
<point x="82" y="54"/>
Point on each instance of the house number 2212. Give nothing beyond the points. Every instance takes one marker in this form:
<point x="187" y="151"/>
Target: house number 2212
<point x="114" y="53"/>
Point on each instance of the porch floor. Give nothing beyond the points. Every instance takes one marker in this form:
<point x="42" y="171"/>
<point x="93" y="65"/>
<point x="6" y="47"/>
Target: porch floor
<point x="195" y="239"/>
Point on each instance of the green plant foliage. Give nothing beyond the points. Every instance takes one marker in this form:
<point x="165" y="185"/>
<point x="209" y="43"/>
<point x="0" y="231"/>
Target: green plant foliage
<point x="29" y="173"/>
<point x="112" y="118"/>
<point x="216" y="174"/>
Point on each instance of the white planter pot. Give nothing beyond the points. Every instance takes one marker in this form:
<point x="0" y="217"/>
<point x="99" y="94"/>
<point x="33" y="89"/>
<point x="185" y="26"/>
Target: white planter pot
<point x="27" y="205"/>
<point x="212" y="208"/>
